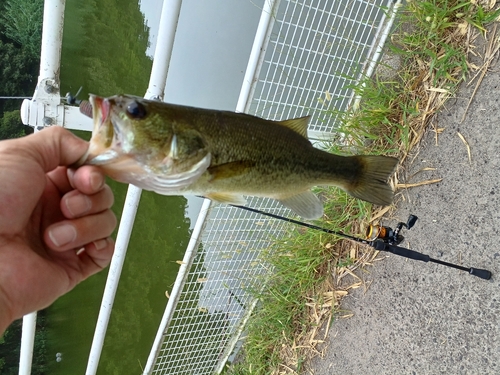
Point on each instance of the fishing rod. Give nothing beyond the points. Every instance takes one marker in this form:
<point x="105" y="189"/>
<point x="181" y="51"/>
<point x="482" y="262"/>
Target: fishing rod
<point x="70" y="98"/>
<point x="379" y="237"/>
<point x="382" y="238"/>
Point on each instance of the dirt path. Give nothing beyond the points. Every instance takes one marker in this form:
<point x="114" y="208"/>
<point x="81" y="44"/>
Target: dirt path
<point x="423" y="318"/>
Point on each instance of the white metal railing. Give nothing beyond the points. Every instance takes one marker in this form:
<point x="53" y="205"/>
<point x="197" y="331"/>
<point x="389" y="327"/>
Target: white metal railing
<point x="161" y="61"/>
<point x="115" y="269"/>
<point x="251" y="74"/>
<point x="303" y="54"/>
<point x="45" y="108"/>
<point x="315" y="47"/>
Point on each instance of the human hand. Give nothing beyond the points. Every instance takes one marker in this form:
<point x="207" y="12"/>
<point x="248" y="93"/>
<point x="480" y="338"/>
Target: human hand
<point x="55" y="222"/>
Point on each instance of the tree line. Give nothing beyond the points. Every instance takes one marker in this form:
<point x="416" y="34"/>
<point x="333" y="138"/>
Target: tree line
<point x="98" y="46"/>
<point x="20" y="39"/>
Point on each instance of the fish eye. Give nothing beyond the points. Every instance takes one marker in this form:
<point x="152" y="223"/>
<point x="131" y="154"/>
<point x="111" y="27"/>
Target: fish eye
<point x="136" y="110"/>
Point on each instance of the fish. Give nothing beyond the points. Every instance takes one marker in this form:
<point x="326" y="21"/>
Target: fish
<point x="224" y="156"/>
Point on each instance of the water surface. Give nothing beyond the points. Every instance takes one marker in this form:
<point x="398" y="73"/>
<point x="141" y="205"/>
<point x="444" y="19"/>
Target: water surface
<point x="104" y="51"/>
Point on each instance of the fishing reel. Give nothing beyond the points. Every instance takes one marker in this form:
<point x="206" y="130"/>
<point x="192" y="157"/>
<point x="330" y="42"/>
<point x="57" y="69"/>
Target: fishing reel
<point x="383" y="239"/>
<point x="387" y="234"/>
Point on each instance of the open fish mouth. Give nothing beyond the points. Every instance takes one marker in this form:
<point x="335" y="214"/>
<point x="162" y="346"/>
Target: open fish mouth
<point x="99" y="151"/>
<point x="105" y="144"/>
<point x="112" y="149"/>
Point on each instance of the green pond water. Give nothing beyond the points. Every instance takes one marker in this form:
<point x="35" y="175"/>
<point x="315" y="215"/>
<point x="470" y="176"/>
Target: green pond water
<point x="104" y="51"/>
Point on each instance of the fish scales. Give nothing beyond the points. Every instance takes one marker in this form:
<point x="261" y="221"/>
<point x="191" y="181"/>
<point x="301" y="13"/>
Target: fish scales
<point x="278" y="159"/>
<point x="223" y="155"/>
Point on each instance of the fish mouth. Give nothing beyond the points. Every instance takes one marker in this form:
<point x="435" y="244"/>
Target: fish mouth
<point x="100" y="107"/>
<point x="105" y="132"/>
<point x="111" y="149"/>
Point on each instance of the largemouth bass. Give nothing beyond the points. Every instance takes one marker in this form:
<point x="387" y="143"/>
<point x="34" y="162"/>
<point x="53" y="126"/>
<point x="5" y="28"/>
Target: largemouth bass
<point x="174" y="150"/>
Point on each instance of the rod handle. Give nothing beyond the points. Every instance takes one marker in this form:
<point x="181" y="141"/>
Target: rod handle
<point x="401" y="251"/>
<point x="483" y="274"/>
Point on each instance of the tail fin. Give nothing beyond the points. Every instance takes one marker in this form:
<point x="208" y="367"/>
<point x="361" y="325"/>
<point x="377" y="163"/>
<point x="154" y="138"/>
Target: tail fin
<point x="371" y="184"/>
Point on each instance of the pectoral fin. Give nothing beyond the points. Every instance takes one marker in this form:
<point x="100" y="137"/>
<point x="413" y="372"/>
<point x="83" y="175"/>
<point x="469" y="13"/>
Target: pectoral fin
<point x="229" y="198"/>
<point x="306" y="205"/>
<point x="228" y="170"/>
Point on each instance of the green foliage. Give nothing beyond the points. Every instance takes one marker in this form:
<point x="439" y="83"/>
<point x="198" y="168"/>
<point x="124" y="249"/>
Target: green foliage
<point x="149" y="271"/>
<point x="18" y="74"/>
<point x="11" y="126"/>
<point x="19" y="50"/>
<point x="428" y="40"/>
<point x="104" y="49"/>
<point x="301" y="262"/>
<point x="435" y="32"/>
<point x="10" y="347"/>
<point x="435" y="24"/>
<point x="22" y="21"/>
<point x="107" y="42"/>
<point x="388" y="120"/>
<point x="479" y="17"/>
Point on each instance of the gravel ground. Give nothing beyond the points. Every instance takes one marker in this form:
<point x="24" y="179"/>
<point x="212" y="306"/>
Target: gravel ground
<point x="423" y="318"/>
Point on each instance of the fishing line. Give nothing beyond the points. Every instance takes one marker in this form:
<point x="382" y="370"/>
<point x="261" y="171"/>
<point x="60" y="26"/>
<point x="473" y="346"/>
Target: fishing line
<point x="381" y="238"/>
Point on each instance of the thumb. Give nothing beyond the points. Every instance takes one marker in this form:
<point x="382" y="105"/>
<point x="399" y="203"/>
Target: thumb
<point x="55" y="146"/>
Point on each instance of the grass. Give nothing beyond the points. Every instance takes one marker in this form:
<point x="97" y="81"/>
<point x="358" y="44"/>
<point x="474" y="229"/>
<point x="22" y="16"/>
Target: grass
<point x="433" y="42"/>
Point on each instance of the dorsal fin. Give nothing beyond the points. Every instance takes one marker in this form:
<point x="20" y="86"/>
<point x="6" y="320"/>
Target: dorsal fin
<point x="298" y="125"/>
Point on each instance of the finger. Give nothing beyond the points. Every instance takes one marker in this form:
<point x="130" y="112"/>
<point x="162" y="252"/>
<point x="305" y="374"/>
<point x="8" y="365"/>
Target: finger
<point x="76" y="233"/>
<point x="60" y="179"/>
<point x="75" y="204"/>
<point x="55" y="146"/>
<point x="88" y="179"/>
<point x="96" y="256"/>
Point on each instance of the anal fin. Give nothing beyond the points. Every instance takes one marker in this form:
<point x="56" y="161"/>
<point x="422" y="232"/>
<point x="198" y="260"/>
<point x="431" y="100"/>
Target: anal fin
<point x="306" y="205"/>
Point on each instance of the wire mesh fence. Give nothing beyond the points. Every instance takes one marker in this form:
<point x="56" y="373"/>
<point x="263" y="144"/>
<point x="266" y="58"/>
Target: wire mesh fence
<point x="316" y="50"/>
<point x="216" y="297"/>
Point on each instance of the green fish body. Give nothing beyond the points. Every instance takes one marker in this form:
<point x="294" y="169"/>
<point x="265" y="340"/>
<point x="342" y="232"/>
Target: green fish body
<point x="173" y="149"/>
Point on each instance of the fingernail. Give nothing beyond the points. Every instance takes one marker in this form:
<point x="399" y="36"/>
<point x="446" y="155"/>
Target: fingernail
<point x="101" y="244"/>
<point x="62" y="234"/>
<point x="78" y="205"/>
<point x="96" y="181"/>
<point x="70" y="173"/>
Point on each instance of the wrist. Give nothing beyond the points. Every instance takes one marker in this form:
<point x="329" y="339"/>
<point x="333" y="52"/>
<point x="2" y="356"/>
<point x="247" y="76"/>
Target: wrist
<point x="3" y="325"/>
<point x="5" y="313"/>
<point x="5" y="319"/>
